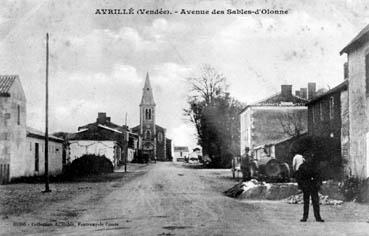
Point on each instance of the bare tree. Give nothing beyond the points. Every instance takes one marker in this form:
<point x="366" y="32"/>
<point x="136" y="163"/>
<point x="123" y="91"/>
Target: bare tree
<point x="209" y="85"/>
<point x="293" y="123"/>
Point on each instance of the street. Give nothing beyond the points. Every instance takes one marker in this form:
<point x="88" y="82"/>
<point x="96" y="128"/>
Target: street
<point x="170" y="199"/>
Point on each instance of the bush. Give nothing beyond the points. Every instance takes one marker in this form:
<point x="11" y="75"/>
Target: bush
<point x="89" y="164"/>
<point x="356" y="189"/>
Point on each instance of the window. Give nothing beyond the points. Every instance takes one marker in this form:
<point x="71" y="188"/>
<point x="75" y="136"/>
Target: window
<point x="18" y="115"/>
<point x="313" y="113"/>
<point x="148" y="114"/>
<point x="147" y="134"/>
<point x="367" y="74"/>
<point x="331" y="107"/>
<point x="321" y="111"/>
<point x="160" y="137"/>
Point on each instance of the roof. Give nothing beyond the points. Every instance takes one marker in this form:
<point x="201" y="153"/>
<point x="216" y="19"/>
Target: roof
<point x="280" y="141"/>
<point x="147" y="96"/>
<point x="357" y="41"/>
<point x="180" y="148"/>
<point x="6" y="82"/>
<point x="108" y="128"/>
<point x="279" y="100"/>
<point x="341" y="87"/>
<point x="31" y="132"/>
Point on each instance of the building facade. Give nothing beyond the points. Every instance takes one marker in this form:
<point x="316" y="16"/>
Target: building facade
<point x="272" y="120"/>
<point x="328" y="119"/>
<point x="358" y="92"/>
<point x="180" y="153"/>
<point x="152" y="137"/>
<point x="104" y="137"/>
<point x="12" y="127"/>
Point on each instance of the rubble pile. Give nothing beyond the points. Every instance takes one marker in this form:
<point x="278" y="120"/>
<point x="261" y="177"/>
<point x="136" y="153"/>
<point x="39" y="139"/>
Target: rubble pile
<point x="323" y="200"/>
<point x="254" y="189"/>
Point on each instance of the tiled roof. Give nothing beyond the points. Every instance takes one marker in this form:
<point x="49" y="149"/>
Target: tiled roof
<point x="360" y="38"/>
<point x="31" y="132"/>
<point x="6" y="82"/>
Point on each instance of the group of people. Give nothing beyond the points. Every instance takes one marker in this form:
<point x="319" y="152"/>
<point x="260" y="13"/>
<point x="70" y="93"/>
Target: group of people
<point x="309" y="181"/>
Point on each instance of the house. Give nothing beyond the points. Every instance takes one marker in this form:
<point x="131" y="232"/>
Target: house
<point x="152" y="137"/>
<point x="12" y="127"/>
<point x="22" y="148"/>
<point x="276" y="150"/>
<point x="273" y="119"/>
<point x="35" y="151"/>
<point x="328" y="119"/>
<point x="180" y="153"/>
<point x="357" y="52"/>
<point x="104" y="137"/>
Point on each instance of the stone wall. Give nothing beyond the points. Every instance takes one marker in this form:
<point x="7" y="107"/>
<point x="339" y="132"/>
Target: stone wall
<point x="358" y="113"/>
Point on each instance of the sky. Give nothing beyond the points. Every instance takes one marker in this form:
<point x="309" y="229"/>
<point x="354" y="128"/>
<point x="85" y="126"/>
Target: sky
<point x="98" y="62"/>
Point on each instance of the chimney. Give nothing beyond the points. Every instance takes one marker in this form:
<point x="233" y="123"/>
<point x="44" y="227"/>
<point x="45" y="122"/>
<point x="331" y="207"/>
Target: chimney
<point x="286" y="90"/>
<point x="345" y="71"/>
<point x="311" y="90"/>
<point x="297" y="93"/>
<point x="303" y="93"/>
<point x="101" y="118"/>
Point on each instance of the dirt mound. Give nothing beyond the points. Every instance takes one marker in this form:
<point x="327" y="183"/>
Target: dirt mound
<point x="254" y="189"/>
<point x="323" y="200"/>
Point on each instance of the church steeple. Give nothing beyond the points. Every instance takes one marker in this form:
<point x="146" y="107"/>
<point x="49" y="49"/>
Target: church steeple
<point x="147" y="96"/>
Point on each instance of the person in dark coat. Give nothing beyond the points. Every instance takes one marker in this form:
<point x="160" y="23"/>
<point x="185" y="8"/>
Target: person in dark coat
<point x="309" y="181"/>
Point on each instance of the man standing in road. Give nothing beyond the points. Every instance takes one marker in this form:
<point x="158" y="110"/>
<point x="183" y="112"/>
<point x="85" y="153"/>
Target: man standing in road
<point x="309" y="181"/>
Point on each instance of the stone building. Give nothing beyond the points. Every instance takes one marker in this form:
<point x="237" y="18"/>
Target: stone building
<point x="103" y="137"/>
<point x="152" y="137"/>
<point x="22" y="148"/>
<point x="328" y="120"/>
<point x="358" y="92"/>
<point x="272" y="120"/>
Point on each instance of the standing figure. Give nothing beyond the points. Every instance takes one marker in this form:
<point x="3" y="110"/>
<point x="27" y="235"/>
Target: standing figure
<point x="309" y="181"/>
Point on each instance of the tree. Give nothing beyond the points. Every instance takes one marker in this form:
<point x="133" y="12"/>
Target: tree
<point x="293" y="123"/>
<point x="215" y="115"/>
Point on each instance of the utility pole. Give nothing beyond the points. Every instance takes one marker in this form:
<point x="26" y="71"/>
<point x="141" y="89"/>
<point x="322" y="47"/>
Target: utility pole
<point x="47" y="189"/>
<point x="126" y="146"/>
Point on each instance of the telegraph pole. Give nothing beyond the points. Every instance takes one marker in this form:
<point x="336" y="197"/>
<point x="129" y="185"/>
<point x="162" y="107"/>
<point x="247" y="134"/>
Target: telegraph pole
<point x="47" y="189"/>
<point x="126" y="146"/>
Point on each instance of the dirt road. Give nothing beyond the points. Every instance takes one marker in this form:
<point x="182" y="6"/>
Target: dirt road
<point x="172" y="200"/>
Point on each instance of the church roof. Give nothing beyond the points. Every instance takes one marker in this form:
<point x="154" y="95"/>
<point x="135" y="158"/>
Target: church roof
<point x="147" y="96"/>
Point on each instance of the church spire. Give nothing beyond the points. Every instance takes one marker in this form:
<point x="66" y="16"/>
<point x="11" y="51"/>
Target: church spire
<point x="147" y="96"/>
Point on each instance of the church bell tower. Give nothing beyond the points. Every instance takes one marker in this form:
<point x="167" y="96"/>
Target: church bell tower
<point x="147" y="120"/>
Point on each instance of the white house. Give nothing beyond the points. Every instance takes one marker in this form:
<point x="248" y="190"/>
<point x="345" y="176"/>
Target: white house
<point x="108" y="148"/>
<point x="180" y="153"/>
<point x="22" y="148"/>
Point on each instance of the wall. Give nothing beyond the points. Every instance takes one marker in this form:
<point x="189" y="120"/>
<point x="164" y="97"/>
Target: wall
<point x="245" y="125"/>
<point x="55" y="161"/>
<point x="266" y="124"/>
<point x="12" y="134"/>
<point x="345" y="132"/>
<point x="358" y="111"/>
<point x="107" y="148"/>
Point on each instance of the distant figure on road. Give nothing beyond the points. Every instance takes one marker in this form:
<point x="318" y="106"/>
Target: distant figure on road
<point x="309" y="181"/>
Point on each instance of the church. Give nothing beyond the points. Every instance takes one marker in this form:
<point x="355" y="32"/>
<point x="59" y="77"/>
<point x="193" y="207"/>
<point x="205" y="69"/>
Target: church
<point x="152" y="137"/>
